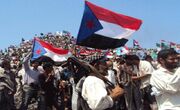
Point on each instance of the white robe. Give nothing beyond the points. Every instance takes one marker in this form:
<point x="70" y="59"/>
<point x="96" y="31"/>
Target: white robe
<point x="166" y="88"/>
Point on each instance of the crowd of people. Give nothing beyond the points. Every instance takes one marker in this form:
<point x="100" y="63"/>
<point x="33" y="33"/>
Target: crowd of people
<point x="88" y="81"/>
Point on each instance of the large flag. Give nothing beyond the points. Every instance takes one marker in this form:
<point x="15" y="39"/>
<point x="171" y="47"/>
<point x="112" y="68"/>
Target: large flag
<point x="41" y="48"/>
<point x="104" y="29"/>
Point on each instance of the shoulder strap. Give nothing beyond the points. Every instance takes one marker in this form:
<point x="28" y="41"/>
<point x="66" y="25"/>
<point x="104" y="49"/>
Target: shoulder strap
<point x="96" y="73"/>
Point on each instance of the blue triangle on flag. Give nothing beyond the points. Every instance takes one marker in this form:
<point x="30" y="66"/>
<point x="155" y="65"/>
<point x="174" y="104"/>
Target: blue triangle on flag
<point x="89" y="25"/>
<point x="38" y="50"/>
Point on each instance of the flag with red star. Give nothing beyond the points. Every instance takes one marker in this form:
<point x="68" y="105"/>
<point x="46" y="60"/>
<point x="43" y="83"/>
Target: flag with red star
<point x="42" y="48"/>
<point x="104" y="29"/>
<point x="122" y="50"/>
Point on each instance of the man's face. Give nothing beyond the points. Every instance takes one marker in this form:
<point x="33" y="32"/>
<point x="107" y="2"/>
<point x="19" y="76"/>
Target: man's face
<point x="171" y="62"/>
<point x="103" y="68"/>
<point x="7" y="65"/>
<point x="35" y="64"/>
<point x="129" y="62"/>
<point x="109" y="64"/>
<point x="49" y="70"/>
<point x="149" y="59"/>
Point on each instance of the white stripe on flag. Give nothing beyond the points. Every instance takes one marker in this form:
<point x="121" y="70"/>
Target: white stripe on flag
<point x="114" y="31"/>
<point x="57" y="57"/>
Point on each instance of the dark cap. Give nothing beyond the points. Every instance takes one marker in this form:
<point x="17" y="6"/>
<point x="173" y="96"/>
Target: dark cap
<point x="47" y="65"/>
<point x="94" y="58"/>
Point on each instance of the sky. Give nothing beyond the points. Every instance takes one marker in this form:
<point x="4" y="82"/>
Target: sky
<point x="25" y="18"/>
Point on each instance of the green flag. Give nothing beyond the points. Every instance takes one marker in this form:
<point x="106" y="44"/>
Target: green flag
<point x="158" y="45"/>
<point x="164" y="45"/>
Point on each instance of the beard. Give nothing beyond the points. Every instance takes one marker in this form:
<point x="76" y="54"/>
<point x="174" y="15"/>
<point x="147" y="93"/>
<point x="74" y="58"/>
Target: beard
<point x="171" y="66"/>
<point x="104" y="73"/>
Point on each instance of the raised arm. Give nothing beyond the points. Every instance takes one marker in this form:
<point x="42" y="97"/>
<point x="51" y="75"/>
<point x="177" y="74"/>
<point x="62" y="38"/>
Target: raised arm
<point x="26" y="62"/>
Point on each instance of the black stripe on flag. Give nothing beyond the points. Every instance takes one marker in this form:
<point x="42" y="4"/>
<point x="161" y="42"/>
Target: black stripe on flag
<point x="102" y="42"/>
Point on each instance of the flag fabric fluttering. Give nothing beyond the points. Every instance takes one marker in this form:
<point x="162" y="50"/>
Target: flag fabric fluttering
<point x="22" y="40"/>
<point x="104" y="29"/>
<point x="66" y="33"/>
<point x="122" y="50"/>
<point x="136" y="44"/>
<point x="109" y="55"/>
<point x="177" y="48"/>
<point x="158" y="45"/>
<point x="41" y="48"/>
<point x="172" y="45"/>
<point x="164" y="44"/>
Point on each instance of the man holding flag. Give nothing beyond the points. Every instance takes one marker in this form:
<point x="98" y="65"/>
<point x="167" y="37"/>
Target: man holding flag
<point x="103" y="29"/>
<point x="31" y="76"/>
<point x="30" y="81"/>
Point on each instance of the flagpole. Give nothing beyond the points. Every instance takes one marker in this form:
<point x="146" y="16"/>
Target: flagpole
<point x="75" y="51"/>
<point x="169" y="44"/>
<point x="32" y="47"/>
<point x="133" y="43"/>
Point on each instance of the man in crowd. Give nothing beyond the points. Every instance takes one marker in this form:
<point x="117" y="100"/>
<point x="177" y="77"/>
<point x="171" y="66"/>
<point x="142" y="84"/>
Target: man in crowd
<point x="7" y="86"/>
<point x="49" y="99"/>
<point x="143" y="74"/>
<point x="30" y="81"/>
<point x="111" y="76"/>
<point x="151" y="61"/>
<point x="94" y="89"/>
<point x="165" y="81"/>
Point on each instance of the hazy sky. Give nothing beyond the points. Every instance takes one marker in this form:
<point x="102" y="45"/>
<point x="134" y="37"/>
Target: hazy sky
<point x="25" y="18"/>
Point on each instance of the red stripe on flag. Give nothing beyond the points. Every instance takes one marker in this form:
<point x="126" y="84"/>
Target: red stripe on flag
<point x="116" y="18"/>
<point x="51" y="48"/>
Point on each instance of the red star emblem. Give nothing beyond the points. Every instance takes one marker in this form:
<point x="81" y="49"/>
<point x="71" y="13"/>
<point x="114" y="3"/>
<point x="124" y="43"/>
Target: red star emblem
<point x="90" y="24"/>
<point x="38" y="51"/>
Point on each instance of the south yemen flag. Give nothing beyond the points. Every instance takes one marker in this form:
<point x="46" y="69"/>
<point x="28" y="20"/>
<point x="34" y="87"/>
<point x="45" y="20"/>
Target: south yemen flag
<point x="41" y="48"/>
<point x="103" y="29"/>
